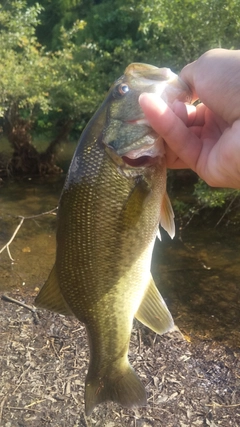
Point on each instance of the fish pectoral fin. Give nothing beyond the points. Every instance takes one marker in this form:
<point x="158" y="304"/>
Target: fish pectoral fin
<point x="50" y="296"/>
<point x="117" y="385"/>
<point x="153" y="311"/>
<point x="133" y="208"/>
<point x="167" y="216"/>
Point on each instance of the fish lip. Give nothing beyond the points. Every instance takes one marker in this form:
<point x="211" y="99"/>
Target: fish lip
<point x="155" y="149"/>
<point x="146" y="151"/>
<point x="141" y="122"/>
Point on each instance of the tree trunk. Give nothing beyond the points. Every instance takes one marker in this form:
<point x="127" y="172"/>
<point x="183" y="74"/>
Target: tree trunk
<point x="26" y="160"/>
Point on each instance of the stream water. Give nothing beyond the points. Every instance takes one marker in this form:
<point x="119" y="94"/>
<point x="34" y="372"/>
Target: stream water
<point x="198" y="272"/>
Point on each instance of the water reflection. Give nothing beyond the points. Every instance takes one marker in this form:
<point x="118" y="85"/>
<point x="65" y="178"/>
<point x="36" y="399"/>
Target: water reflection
<point x="198" y="272"/>
<point x="33" y="249"/>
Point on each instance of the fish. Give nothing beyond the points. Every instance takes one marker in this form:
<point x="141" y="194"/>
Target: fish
<point x="112" y="202"/>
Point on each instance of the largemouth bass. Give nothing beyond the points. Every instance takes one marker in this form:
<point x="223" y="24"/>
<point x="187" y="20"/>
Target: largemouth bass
<point x="112" y="203"/>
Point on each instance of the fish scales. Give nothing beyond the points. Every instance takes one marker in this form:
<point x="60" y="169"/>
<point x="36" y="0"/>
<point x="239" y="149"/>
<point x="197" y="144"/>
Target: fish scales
<point x="113" y="250"/>
<point x="108" y="218"/>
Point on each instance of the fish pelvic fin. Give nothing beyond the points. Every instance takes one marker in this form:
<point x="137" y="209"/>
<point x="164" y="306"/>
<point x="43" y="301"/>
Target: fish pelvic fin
<point x="153" y="311"/>
<point x="121" y="386"/>
<point x="167" y="216"/>
<point x="50" y="296"/>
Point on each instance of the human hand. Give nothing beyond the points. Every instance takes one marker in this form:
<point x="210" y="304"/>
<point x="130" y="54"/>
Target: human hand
<point x="205" y="138"/>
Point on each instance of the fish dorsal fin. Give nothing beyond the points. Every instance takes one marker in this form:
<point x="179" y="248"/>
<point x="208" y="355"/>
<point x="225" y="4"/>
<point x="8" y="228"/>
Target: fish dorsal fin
<point x="50" y="296"/>
<point x="167" y="216"/>
<point x="153" y="311"/>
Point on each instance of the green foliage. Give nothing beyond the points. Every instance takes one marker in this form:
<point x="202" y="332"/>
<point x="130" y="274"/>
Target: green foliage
<point x="213" y="197"/>
<point x="177" y="32"/>
<point x="58" y="14"/>
<point x="53" y="91"/>
<point x="58" y="58"/>
<point x="180" y="207"/>
<point x="94" y="41"/>
<point x="21" y="62"/>
<point x="37" y="86"/>
<point x="195" y="204"/>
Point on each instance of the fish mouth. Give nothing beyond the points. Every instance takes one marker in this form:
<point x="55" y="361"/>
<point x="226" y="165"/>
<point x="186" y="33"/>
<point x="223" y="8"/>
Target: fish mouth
<point x="147" y="155"/>
<point x="138" y="149"/>
<point x="140" y="161"/>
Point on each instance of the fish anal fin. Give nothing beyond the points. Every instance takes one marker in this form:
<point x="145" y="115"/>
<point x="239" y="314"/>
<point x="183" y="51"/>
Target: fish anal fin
<point x="167" y="216"/>
<point x="153" y="311"/>
<point x="122" y="386"/>
<point x="50" y="296"/>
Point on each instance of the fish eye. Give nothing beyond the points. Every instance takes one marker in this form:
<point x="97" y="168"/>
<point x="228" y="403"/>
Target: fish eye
<point x="123" y="88"/>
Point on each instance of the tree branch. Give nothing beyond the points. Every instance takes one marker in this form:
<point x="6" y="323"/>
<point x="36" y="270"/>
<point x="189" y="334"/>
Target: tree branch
<point x="22" y="304"/>
<point x="18" y="228"/>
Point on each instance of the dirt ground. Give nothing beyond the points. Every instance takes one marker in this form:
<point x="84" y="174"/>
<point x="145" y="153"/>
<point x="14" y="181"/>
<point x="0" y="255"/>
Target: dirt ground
<point x="189" y="382"/>
<point x="43" y="364"/>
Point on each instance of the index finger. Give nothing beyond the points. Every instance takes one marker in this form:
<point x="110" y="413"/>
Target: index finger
<point x="176" y="134"/>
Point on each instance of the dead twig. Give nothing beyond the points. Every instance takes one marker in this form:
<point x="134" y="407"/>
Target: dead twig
<point x="22" y="408"/>
<point x="10" y="241"/>
<point x="54" y="348"/>
<point x="18" y="228"/>
<point x="227" y="209"/>
<point x="2" y="406"/>
<point x="22" y="304"/>
<point x="223" y="406"/>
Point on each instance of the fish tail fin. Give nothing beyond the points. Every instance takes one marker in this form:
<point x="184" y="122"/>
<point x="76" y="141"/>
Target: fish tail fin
<point x="123" y="387"/>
